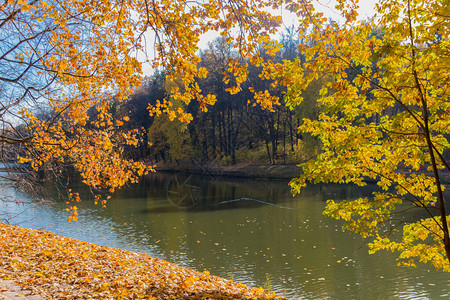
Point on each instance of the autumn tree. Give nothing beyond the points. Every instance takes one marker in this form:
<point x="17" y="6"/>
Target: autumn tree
<point x="135" y="107"/>
<point x="69" y="57"/>
<point x="59" y="60"/>
<point x="236" y="123"/>
<point x="169" y="137"/>
<point x="384" y="117"/>
<point x="226" y="116"/>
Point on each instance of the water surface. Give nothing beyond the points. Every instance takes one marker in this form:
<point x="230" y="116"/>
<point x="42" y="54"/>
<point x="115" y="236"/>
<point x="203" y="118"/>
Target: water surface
<point x="250" y="231"/>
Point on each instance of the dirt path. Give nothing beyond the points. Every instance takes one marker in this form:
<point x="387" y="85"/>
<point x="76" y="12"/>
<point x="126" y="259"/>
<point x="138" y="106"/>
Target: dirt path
<point x="10" y="291"/>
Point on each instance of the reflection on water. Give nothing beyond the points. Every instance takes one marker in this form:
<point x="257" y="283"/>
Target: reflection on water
<point x="253" y="232"/>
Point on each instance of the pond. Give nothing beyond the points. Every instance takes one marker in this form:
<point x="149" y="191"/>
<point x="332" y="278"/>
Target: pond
<point x="251" y="231"/>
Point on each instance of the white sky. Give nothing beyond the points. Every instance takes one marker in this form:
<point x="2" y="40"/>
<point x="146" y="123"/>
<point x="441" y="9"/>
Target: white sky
<point x="366" y="10"/>
<point x="327" y="7"/>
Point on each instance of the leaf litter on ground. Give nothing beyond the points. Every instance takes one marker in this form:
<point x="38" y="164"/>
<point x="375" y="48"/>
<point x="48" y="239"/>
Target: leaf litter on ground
<point x="58" y="267"/>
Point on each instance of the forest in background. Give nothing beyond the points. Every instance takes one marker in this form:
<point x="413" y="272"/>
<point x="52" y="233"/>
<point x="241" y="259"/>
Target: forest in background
<point x="232" y="131"/>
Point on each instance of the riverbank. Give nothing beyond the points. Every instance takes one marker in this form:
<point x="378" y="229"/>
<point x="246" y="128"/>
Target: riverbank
<point x="57" y="267"/>
<point x="254" y="171"/>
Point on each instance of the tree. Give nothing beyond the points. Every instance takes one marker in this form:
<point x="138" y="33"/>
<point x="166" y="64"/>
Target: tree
<point x="135" y="107"/>
<point x="226" y="115"/>
<point x="384" y="117"/>
<point x="67" y="58"/>
<point x="170" y="136"/>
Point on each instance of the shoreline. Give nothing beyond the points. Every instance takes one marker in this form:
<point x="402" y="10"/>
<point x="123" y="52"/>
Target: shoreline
<point x="57" y="267"/>
<point x="252" y="171"/>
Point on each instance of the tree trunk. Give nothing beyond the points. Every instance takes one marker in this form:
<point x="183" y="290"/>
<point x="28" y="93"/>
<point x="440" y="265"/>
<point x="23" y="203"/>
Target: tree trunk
<point x="213" y="135"/>
<point x="284" y="141"/>
<point x="291" y="131"/>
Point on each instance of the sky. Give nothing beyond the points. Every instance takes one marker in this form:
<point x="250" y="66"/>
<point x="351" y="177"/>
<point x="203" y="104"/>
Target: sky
<point x="366" y="10"/>
<point x="327" y="7"/>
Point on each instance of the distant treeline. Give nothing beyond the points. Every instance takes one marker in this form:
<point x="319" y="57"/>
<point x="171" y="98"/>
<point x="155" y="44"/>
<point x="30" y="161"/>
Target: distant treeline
<point x="234" y="130"/>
